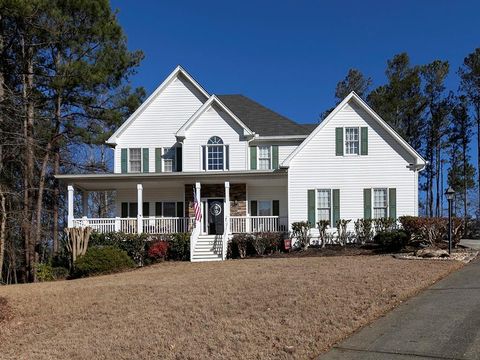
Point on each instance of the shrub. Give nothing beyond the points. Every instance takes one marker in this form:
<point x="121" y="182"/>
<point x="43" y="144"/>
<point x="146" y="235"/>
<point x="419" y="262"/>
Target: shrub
<point x="158" y="250"/>
<point x="45" y="272"/>
<point x="133" y="244"/>
<point x="431" y="230"/>
<point x="363" y="230"/>
<point x="60" y="272"/>
<point x="102" y="260"/>
<point x="384" y="224"/>
<point x="342" y="234"/>
<point x="273" y="241"/>
<point x="322" y="229"/>
<point x="240" y="243"/>
<point x="301" y="232"/>
<point x="179" y="246"/>
<point x="393" y="240"/>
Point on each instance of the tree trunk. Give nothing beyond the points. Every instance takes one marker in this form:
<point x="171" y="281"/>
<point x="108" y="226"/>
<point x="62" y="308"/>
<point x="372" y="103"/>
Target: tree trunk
<point x="478" y="159"/>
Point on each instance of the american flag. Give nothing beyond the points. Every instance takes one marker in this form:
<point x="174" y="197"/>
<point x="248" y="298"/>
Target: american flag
<point x="196" y="206"/>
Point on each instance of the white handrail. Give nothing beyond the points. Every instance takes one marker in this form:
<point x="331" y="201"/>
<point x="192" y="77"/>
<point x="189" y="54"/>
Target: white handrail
<point x="247" y="224"/>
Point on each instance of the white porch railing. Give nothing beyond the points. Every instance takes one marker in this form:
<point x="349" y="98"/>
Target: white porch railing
<point x="130" y="225"/>
<point x="249" y="224"/>
<point x="168" y="225"/>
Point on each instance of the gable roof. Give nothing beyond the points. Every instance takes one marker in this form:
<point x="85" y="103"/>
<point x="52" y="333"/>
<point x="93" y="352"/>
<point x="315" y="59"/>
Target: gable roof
<point x="211" y="101"/>
<point x="260" y="119"/>
<point x="420" y="161"/>
<point x="179" y="71"/>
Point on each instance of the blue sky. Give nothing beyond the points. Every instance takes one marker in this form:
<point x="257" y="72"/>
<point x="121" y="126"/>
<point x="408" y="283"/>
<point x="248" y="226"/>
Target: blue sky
<point x="289" y="55"/>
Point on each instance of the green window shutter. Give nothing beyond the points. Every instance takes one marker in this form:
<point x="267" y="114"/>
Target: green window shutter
<point x="158" y="209"/>
<point x="274" y="156"/>
<point x="124" y="209"/>
<point x="253" y="208"/>
<point x="178" y="158"/>
<point x="311" y="207"/>
<point x="158" y="160"/>
<point x="179" y="209"/>
<point x="339" y="141"/>
<point x="146" y="209"/>
<point x="364" y="141"/>
<point x="276" y="207"/>
<point x="145" y="160"/>
<point x="124" y="161"/>
<point x="253" y="158"/>
<point x="227" y="157"/>
<point x="336" y="206"/>
<point x="367" y="203"/>
<point x="204" y="157"/>
<point x="133" y="211"/>
<point x="392" y="203"/>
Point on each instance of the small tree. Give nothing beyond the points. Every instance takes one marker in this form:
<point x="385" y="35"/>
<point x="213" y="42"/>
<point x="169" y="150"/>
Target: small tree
<point x="322" y="228"/>
<point x="342" y="231"/>
<point x="363" y="230"/>
<point x="301" y="232"/>
<point x="77" y="242"/>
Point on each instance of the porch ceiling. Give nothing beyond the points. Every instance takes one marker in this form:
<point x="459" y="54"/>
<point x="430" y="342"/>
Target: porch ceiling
<point x="99" y="182"/>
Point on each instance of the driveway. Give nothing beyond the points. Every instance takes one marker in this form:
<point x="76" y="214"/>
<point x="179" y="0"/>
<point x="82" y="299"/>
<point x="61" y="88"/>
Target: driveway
<point x="443" y="322"/>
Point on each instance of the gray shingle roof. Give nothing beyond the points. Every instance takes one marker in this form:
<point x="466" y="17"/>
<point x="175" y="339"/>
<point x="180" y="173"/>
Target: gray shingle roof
<point x="262" y="120"/>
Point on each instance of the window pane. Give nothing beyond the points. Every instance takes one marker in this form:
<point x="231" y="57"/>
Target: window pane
<point x="352" y="141"/>
<point x="264" y="157"/>
<point x="379" y="213"/>
<point x="323" y="204"/>
<point x="169" y="209"/>
<point x="135" y="160"/>
<point x="168" y="159"/>
<point x="215" y="157"/>
<point x="379" y="203"/>
<point x="264" y="208"/>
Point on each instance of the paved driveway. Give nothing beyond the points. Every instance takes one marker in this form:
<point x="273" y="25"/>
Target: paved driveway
<point x="443" y="322"/>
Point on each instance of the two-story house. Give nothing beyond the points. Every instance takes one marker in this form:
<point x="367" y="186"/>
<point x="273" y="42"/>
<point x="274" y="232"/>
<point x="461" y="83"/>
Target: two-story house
<point x="215" y="165"/>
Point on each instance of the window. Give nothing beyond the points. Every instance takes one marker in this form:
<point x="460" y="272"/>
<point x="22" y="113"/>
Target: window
<point x="352" y="141"/>
<point x="215" y="153"/>
<point x="169" y="159"/>
<point x="135" y="160"/>
<point x="264" y="208"/>
<point x="169" y="209"/>
<point x="380" y="203"/>
<point x="264" y="157"/>
<point x="323" y="204"/>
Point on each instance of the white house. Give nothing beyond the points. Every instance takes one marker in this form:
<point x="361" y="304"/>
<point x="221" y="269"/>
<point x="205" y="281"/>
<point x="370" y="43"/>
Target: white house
<point x="249" y="168"/>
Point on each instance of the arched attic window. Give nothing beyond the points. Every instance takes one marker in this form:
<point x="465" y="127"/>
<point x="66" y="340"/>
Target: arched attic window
<point x="215" y="154"/>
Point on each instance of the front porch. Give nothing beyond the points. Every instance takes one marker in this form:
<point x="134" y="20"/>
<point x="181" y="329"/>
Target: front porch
<point x="164" y="204"/>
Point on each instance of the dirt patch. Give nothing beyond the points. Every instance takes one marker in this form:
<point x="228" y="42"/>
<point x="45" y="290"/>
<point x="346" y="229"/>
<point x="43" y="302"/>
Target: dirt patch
<point x="286" y="308"/>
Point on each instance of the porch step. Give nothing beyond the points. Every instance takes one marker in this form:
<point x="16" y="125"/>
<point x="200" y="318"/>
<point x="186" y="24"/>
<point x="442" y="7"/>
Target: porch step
<point x="207" y="248"/>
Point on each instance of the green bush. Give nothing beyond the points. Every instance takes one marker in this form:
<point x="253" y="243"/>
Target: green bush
<point x="179" y="246"/>
<point x="392" y="240"/>
<point x="47" y="272"/>
<point x="240" y="244"/>
<point x="134" y="245"/>
<point x="301" y="233"/>
<point x="102" y="260"/>
<point x="267" y="241"/>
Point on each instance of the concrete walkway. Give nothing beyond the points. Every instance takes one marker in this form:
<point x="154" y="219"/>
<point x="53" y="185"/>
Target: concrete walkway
<point x="443" y="322"/>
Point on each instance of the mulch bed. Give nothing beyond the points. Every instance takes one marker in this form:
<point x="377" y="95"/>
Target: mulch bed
<point x="329" y="250"/>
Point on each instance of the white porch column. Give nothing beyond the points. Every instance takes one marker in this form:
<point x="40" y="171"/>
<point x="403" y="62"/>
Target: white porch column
<point x="227" y="206"/>
<point x="70" y="206"/>
<point x="198" y="224"/>
<point x="85" y="203"/>
<point x="139" y="208"/>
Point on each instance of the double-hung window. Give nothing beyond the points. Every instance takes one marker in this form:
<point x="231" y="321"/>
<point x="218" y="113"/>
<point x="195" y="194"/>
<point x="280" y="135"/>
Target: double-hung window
<point x="215" y="154"/>
<point x="264" y="208"/>
<point x="169" y="159"/>
<point x="324" y="204"/>
<point x="380" y="203"/>
<point x="264" y="157"/>
<point x="135" y="159"/>
<point x="352" y="141"/>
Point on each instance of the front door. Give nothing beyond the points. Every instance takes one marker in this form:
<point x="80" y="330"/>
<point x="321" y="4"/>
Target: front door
<point x="215" y="216"/>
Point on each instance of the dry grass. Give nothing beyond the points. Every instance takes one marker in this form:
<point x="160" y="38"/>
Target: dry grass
<point x="250" y="309"/>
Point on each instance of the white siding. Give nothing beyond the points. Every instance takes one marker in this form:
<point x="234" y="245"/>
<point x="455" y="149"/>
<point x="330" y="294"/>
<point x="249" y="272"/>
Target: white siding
<point x="151" y="195"/>
<point x="316" y="166"/>
<point x="157" y="124"/>
<point x="269" y="193"/>
<point x="214" y="122"/>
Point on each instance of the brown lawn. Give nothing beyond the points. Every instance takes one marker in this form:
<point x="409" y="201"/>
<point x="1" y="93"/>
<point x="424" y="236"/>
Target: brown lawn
<point x="293" y="308"/>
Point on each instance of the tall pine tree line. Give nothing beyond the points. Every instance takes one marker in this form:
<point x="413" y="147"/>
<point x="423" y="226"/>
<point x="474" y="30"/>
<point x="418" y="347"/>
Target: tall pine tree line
<point x="64" y="86"/>
<point x="438" y="123"/>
